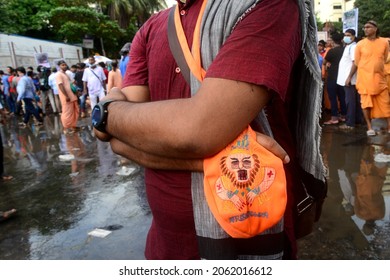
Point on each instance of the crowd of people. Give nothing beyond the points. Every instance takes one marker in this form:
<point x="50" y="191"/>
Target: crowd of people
<point x="26" y="92"/>
<point x="356" y="78"/>
<point x="70" y="92"/>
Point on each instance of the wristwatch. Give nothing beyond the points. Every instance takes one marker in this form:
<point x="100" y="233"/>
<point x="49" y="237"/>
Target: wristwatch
<point x="100" y="114"/>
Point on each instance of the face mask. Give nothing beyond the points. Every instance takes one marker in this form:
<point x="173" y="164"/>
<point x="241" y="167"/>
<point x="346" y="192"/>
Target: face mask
<point x="347" y="40"/>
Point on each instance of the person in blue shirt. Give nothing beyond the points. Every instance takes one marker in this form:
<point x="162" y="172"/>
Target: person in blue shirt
<point x="9" y="91"/>
<point x="26" y="92"/>
<point x="320" y="60"/>
<point x="125" y="58"/>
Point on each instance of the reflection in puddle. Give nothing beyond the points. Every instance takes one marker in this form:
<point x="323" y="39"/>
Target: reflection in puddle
<point x="355" y="223"/>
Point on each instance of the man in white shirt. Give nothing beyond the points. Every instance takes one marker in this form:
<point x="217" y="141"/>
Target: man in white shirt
<point x="54" y="88"/>
<point x="93" y="79"/>
<point x="347" y="78"/>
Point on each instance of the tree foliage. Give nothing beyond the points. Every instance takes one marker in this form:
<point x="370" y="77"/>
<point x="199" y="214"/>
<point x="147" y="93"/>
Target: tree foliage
<point x="112" y="21"/>
<point x="126" y="10"/>
<point x="378" y="10"/>
<point x="23" y="16"/>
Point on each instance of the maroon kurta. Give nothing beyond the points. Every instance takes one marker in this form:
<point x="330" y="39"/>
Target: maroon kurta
<point x="261" y="50"/>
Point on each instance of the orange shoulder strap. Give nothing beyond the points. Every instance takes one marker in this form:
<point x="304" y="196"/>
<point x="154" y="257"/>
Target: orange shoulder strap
<point x="193" y="59"/>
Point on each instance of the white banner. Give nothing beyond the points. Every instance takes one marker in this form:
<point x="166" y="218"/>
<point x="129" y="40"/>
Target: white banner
<point x="42" y="59"/>
<point x="88" y="43"/>
<point x="350" y="20"/>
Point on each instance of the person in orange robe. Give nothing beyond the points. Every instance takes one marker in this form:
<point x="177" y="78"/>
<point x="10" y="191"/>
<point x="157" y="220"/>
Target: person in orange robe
<point x="387" y="68"/>
<point x="326" y="101"/>
<point x="69" y="101"/>
<point x="370" y="56"/>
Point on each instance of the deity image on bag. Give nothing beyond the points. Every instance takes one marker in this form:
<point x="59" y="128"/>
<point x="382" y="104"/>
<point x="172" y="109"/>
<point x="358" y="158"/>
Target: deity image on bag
<point x="245" y="187"/>
<point x="241" y="170"/>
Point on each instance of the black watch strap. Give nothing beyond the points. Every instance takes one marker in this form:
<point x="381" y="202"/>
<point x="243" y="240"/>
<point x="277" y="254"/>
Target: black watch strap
<point x="100" y="115"/>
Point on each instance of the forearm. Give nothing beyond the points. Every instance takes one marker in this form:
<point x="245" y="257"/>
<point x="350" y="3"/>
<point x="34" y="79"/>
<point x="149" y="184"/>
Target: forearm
<point x="353" y="71"/>
<point x="153" y="161"/>
<point x="150" y="127"/>
<point x="20" y="96"/>
<point x="63" y="90"/>
<point x="21" y="88"/>
<point x="191" y="128"/>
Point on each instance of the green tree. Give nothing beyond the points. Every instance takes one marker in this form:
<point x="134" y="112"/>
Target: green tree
<point x="113" y="21"/>
<point x="24" y="16"/>
<point x="378" y="10"/>
<point x="125" y="11"/>
<point x="71" y="24"/>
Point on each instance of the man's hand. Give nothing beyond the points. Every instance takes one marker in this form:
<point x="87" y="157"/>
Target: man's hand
<point x="115" y="94"/>
<point x="348" y="81"/>
<point x="271" y="145"/>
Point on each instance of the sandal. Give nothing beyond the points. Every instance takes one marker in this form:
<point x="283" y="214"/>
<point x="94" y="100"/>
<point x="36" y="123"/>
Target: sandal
<point x="342" y="119"/>
<point x="7" y="214"/>
<point x="371" y="132"/>
<point x="346" y="127"/>
<point x="68" y="131"/>
<point x="6" y="178"/>
<point x="331" y="122"/>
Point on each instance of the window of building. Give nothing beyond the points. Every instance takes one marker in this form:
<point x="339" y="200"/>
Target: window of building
<point x="337" y="7"/>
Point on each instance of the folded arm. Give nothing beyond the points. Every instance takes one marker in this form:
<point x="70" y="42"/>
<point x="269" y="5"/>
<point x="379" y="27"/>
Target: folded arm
<point x="183" y="129"/>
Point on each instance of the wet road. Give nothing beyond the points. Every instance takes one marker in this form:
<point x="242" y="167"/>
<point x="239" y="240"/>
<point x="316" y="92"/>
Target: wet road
<point x="67" y="186"/>
<point x="355" y="223"/>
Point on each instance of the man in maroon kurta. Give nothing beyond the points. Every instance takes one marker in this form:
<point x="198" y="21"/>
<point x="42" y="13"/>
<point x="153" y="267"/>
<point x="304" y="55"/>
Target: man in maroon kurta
<point x="252" y="71"/>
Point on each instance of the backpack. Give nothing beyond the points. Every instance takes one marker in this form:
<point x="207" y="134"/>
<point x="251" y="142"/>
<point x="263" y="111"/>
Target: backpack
<point x="45" y="79"/>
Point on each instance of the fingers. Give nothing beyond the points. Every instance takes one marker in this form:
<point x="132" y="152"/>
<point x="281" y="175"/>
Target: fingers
<point x="116" y="93"/>
<point x="105" y="137"/>
<point x="271" y="145"/>
<point x="238" y="202"/>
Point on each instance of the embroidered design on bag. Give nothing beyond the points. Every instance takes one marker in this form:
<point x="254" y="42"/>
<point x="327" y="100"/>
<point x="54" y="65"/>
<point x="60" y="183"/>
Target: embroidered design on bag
<point x="245" y="187"/>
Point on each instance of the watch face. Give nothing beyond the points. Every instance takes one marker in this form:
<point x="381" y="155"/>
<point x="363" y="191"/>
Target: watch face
<point x="96" y="115"/>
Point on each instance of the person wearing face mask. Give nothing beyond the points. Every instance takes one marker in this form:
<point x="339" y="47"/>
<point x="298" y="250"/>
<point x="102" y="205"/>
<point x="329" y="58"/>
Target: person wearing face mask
<point x="347" y="78"/>
<point x="94" y="81"/>
<point x="335" y="91"/>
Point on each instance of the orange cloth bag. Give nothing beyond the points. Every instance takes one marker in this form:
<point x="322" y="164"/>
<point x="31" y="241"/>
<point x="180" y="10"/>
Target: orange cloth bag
<point x="245" y="187"/>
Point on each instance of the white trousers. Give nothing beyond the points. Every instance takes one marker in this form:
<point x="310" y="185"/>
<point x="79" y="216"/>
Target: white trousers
<point x="94" y="96"/>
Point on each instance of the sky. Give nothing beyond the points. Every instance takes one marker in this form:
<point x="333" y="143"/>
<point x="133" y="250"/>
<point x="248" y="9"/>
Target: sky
<point x="170" y="2"/>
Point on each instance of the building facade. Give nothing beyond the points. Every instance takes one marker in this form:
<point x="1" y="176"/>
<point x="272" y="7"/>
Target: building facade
<point x="18" y="51"/>
<point x="332" y="10"/>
